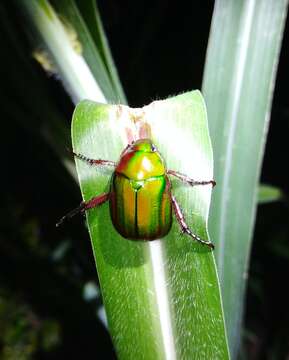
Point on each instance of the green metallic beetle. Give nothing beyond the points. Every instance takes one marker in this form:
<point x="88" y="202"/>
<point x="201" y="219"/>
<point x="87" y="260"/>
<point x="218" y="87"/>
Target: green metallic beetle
<point x="140" y="198"/>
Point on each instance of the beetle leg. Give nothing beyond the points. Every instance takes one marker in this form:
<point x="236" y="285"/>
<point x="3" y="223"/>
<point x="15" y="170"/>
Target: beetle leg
<point x="188" y="180"/>
<point x="94" y="162"/>
<point x="85" y="205"/>
<point x="184" y="226"/>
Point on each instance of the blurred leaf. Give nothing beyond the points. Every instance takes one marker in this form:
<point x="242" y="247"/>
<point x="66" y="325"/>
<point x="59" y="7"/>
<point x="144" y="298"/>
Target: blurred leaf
<point x="240" y="71"/>
<point x="50" y="335"/>
<point x="91" y="16"/>
<point x="88" y="29"/>
<point x="279" y="247"/>
<point x="80" y="59"/>
<point x="162" y="297"/>
<point x="42" y="118"/>
<point x="60" y="251"/>
<point x="22" y="332"/>
<point x="90" y="291"/>
<point x="65" y="42"/>
<point x="268" y="193"/>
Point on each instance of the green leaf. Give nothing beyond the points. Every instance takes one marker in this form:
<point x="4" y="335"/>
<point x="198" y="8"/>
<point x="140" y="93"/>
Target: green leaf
<point x="268" y="193"/>
<point x="94" y="47"/>
<point x="80" y="59"/>
<point x="91" y="16"/>
<point x="71" y="47"/>
<point x="240" y="70"/>
<point x="161" y="297"/>
<point x="41" y="117"/>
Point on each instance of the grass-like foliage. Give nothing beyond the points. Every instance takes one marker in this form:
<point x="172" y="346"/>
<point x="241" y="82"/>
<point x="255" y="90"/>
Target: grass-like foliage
<point x="163" y="294"/>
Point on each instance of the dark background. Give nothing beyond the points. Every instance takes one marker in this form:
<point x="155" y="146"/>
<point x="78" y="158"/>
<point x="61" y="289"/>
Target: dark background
<point x="159" y="50"/>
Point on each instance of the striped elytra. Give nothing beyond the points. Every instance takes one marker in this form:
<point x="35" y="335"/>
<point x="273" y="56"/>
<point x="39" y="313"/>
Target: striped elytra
<point x="140" y="198"/>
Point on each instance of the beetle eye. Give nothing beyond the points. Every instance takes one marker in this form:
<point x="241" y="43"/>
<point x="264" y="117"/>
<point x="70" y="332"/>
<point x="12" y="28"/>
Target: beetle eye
<point x="153" y="148"/>
<point x="131" y="145"/>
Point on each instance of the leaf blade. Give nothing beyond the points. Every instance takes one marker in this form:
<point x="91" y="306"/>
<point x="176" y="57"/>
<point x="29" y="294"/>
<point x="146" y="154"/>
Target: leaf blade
<point x="91" y="15"/>
<point x="71" y="66"/>
<point x="268" y="194"/>
<point x="238" y="84"/>
<point x="163" y="294"/>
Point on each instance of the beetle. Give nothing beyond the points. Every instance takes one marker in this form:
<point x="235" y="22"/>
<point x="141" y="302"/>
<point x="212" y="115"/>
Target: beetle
<point x="140" y="198"/>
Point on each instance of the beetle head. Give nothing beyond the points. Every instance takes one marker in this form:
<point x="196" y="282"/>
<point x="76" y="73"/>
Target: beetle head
<point x="144" y="145"/>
